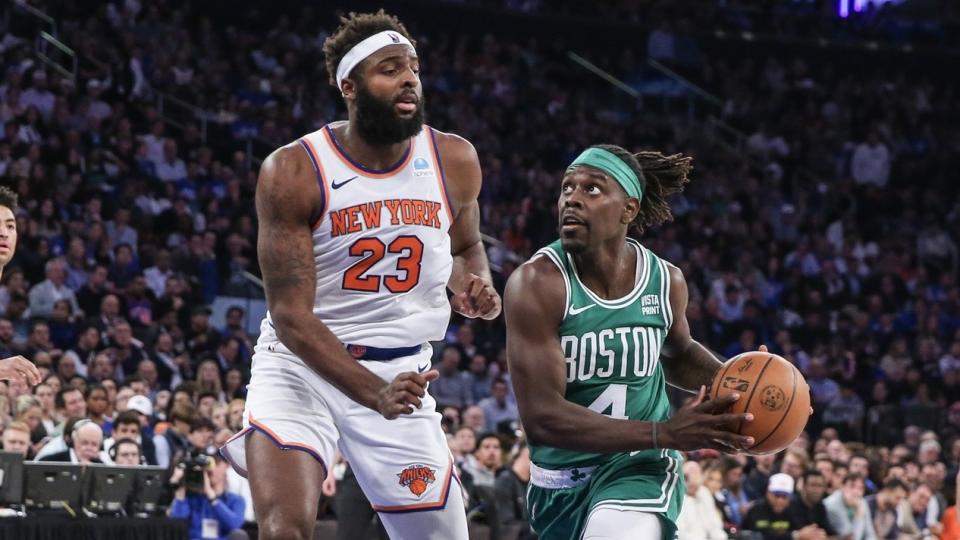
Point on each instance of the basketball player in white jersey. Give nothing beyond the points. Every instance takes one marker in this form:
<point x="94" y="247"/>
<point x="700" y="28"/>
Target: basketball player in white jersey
<point x="363" y="226"/>
<point x="14" y="367"/>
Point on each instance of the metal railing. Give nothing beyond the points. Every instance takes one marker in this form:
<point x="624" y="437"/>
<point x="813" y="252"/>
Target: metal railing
<point x="43" y="49"/>
<point x="710" y="105"/>
<point x="166" y="103"/>
<point x="47" y="19"/>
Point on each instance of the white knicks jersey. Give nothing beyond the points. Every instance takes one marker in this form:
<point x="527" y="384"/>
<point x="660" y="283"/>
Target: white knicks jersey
<point x="381" y="245"/>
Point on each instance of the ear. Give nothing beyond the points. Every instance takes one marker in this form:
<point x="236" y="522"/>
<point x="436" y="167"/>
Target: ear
<point x="631" y="209"/>
<point x="348" y="88"/>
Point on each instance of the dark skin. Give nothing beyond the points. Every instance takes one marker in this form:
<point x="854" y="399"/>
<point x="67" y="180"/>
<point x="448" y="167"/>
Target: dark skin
<point x="288" y="200"/>
<point x="595" y="213"/>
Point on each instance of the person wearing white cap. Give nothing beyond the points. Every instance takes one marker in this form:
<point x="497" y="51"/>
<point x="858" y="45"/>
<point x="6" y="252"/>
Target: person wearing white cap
<point x="128" y="425"/>
<point x="364" y="225"/>
<point x="771" y="518"/>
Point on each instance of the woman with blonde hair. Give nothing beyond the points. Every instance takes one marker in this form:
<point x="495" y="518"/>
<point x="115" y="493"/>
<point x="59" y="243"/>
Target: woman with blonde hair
<point x="208" y="378"/>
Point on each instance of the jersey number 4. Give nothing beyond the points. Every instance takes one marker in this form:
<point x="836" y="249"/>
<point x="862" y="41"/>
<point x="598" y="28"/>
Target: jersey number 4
<point x="614" y="398"/>
<point x="372" y="250"/>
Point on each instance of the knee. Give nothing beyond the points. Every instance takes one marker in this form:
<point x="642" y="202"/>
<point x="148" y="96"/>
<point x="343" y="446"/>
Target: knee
<point x="278" y="527"/>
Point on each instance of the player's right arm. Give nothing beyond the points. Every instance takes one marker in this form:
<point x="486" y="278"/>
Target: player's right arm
<point x="534" y="304"/>
<point x="287" y="202"/>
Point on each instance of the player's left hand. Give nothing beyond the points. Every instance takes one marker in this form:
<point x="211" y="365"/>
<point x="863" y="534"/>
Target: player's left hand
<point x="763" y="348"/>
<point x="329" y="486"/>
<point x="18" y="367"/>
<point x="477" y="298"/>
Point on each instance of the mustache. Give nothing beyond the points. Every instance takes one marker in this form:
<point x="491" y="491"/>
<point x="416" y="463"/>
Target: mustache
<point x="378" y="121"/>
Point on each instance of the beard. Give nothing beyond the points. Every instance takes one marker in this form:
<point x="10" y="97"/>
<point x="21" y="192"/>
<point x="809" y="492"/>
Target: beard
<point x="380" y="125"/>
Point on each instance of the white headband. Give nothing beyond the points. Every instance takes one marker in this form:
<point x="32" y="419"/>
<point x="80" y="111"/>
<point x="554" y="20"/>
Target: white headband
<point x="365" y="48"/>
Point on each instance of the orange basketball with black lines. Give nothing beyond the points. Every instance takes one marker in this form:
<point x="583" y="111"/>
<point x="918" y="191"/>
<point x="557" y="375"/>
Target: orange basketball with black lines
<point x="773" y="390"/>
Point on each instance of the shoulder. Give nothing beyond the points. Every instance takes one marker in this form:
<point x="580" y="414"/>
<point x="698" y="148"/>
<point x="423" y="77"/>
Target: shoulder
<point x="461" y="165"/>
<point x="534" y="274"/>
<point x="675" y="274"/>
<point x="284" y="162"/>
<point x="59" y="456"/>
<point x="536" y="288"/>
<point x="287" y="182"/>
<point x="454" y="149"/>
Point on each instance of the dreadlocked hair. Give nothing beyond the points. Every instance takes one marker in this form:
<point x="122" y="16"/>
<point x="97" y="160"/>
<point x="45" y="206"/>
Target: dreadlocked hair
<point x="660" y="176"/>
<point x="353" y="29"/>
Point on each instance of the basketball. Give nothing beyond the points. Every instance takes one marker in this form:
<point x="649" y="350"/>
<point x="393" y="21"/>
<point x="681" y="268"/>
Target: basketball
<point x="773" y="390"/>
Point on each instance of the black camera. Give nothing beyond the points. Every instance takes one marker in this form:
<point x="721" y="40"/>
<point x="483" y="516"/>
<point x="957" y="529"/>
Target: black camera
<point x="194" y="464"/>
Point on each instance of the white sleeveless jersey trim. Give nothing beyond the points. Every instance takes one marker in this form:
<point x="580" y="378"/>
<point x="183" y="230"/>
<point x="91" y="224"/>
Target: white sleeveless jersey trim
<point x="381" y="245"/>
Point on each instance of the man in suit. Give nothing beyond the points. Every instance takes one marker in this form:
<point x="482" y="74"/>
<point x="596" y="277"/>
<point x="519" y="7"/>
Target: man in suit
<point x="86" y="437"/>
<point x="848" y="512"/>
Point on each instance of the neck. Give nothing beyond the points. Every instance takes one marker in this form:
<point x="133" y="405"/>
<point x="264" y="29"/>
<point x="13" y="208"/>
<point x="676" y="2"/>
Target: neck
<point x="610" y="269"/>
<point x="371" y="156"/>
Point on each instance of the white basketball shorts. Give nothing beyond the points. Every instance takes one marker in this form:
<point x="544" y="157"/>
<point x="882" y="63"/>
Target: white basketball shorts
<point x="403" y="465"/>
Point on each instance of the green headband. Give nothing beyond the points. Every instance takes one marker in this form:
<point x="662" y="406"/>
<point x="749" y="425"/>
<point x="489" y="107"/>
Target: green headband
<point x="609" y="163"/>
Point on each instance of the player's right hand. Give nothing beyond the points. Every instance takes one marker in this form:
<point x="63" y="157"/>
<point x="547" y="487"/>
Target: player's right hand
<point x="705" y="424"/>
<point x="402" y="396"/>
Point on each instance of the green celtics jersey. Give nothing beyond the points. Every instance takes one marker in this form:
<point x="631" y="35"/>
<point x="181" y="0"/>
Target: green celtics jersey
<point x="612" y="350"/>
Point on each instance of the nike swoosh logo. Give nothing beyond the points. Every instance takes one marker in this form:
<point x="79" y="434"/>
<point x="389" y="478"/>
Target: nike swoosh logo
<point x="421" y="369"/>
<point x="575" y="311"/>
<point x="335" y="185"/>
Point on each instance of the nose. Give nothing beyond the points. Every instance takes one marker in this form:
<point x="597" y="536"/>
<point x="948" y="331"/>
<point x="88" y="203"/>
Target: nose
<point x="410" y="78"/>
<point x="573" y="200"/>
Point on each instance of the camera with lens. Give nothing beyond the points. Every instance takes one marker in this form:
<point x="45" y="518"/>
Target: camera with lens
<point x="194" y="464"/>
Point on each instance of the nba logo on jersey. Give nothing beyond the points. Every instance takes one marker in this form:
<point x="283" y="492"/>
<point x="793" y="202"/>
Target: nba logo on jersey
<point x="421" y="168"/>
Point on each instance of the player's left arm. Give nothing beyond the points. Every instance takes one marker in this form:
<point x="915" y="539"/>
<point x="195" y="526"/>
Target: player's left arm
<point x="470" y="281"/>
<point x="687" y="364"/>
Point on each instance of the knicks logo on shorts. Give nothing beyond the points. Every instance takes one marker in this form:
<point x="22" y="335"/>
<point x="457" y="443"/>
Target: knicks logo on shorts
<point x="417" y="478"/>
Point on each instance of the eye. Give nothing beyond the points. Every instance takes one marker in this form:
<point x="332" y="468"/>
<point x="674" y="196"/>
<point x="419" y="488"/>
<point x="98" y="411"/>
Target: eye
<point x="566" y="189"/>
<point x="593" y="189"/>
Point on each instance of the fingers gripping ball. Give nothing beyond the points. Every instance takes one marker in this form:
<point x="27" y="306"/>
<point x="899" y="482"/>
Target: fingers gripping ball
<point x="773" y="390"/>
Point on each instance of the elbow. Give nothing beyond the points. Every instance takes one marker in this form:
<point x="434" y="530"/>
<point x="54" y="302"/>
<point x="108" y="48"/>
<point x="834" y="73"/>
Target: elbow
<point x="542" y="430"/>
<point x="285" y="324"/>
<point x="537" y="436"/>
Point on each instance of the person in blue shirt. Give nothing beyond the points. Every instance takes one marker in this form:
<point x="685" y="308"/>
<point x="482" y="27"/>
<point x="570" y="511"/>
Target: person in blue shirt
<point x="213" y="513"/>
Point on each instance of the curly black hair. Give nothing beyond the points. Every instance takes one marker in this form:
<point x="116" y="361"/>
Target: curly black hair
<point x="353" y="29"/>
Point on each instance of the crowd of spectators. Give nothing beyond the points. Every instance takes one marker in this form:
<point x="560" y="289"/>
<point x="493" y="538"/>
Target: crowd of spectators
<point x="833" y="241"/>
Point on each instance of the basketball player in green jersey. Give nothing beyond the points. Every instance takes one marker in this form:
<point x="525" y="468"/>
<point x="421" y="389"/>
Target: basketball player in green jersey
<point x="596" y="327"/>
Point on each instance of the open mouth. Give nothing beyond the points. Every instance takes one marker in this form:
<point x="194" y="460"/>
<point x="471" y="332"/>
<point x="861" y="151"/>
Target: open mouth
<point x="571" y="222"/>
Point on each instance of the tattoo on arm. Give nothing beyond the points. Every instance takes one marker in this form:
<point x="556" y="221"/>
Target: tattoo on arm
<point x="695" y="367"/>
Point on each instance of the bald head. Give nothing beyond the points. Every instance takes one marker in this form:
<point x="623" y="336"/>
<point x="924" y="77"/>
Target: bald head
<point x="86" y="441"/>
